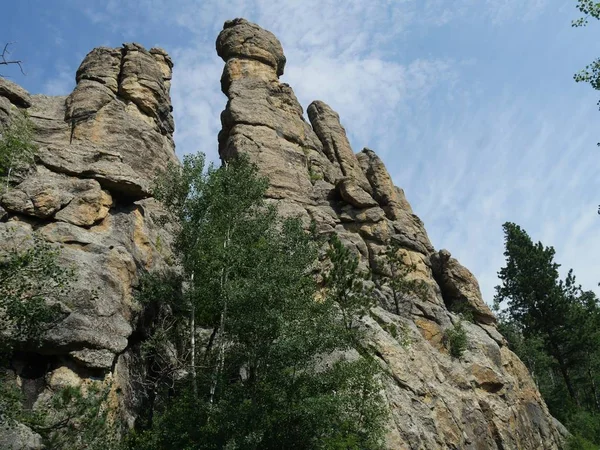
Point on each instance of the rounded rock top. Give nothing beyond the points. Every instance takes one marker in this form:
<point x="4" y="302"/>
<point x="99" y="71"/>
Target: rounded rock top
<point x="246" y="40"/>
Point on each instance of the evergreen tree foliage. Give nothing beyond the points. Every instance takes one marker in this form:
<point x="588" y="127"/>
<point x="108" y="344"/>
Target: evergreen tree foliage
<point x="456" y="339"/>
<point x="554" y="327"/>
<point x="272" y="373"/>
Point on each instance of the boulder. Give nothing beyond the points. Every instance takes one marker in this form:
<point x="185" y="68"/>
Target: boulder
<point x="14" y="93"/>
<point x="460" y="288"/>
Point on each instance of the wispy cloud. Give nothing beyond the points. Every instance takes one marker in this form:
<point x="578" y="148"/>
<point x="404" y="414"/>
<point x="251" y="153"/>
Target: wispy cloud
<point x="471" y="147"/>
<point x="62" y="83"/>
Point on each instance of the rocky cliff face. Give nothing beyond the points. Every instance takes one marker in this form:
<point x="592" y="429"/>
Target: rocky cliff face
<point x="98" y="151"/>
<point x="484" y="400"/>
<point x="100" y="148"/>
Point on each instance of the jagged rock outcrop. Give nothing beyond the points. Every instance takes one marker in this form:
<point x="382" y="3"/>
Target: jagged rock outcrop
<point x="484" y="400"/>
<point x="98" y="152"/>
<point x="88" y="193"/>
<point x="460" y="288"/>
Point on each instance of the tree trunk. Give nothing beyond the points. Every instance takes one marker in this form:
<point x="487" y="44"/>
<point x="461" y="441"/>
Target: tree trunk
<point x="593" y="383"/>
<point x="193" y="344"/>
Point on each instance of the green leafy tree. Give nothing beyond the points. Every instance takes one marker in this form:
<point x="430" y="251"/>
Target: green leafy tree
<point x="272" y="374"/>
<point x="591" y="73"/>
<point x="164" y="348"/>
<point x="31" y="283"/>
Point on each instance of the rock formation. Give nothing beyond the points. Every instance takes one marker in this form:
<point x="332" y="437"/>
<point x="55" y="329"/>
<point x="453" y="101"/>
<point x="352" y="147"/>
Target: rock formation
<point x="484" y="400"/>
<point x="99" y="150"/>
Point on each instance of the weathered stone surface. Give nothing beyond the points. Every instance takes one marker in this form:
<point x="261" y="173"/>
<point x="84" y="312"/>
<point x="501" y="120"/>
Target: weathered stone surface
<point x="117" y="122"/>
<point x="165" y="63"/>
<point x="99" y="150"/>
<point x="87" y="208"/>
<point x="142" y="82"/>
<point x="244" y="40"/>
<point x="14" y="93"/>
<point x="384" y="191"/>
<point x="101" y="65"/>
<point x="327" y="126"/>
<point x="459" y="287"/>
<point x="95" y="359"/>
<point x="410" y="232"/>
<point x="101" y="147"/>
<point x="5" y="107"/>
<point x="88" y="98"/>
<point x="486" y="399"/>
<point x="19" y="437"/>
<point x="263" y="118"/>
<point x="352" y="193"/>
<point x="46" y="195"/>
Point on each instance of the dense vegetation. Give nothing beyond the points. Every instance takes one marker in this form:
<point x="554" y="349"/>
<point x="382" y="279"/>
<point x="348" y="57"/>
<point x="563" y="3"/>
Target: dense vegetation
<point x="275" y="369"/>
<point x="554" y="327"/>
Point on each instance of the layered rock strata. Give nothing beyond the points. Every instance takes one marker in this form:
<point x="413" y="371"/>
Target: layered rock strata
<point x="484" y="400"/>
<point x="98" y="151"/>
<point x="88" y="194"/>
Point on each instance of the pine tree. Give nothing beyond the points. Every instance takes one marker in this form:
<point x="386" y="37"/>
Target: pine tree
<point x="536" y="298"/>
<point x="553" y="326"/>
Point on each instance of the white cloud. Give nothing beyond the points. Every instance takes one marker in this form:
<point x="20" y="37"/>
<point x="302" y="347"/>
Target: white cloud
<point x="469" y="158"/>
<point x="507" y="161"/>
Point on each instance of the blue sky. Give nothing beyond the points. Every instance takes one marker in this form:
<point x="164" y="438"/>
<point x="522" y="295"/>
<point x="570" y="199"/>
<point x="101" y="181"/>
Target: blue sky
<point x="470" y="103"/>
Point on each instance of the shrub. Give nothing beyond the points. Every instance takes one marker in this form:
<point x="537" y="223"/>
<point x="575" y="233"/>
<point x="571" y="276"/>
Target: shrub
<point x="456" y="339"/>
<point x="16" y="145"/>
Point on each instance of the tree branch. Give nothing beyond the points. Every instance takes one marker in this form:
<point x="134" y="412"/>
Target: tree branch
<point x="6" y="62"/>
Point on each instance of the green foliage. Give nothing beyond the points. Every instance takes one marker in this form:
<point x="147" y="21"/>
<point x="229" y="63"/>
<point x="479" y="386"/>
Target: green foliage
<point x="31" y="283"/>
<point x="71" y="418"/>
<point x="464" y="310"/>
<point x="554" y="327"/>
<point x="16" y="145"/>
<point x="591" y="73"/>
<point x="346" y="283"/>
<point x="11" y="401"/>
<point x="399" y="280"/>
<point x="267" y="377"/>
<point x="164" y="347"/>
<point x="590" y="9"/>
<point x="76" y="418"/>
<point x="314" y="176"/>
<point x="585" y="427"/>
<point x="456" y="339"/>
<point x="576" y="442"/>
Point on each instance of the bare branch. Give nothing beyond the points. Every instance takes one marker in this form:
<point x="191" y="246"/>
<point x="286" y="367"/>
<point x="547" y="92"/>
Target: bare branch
<point x="6" y="62"/>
